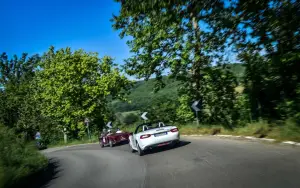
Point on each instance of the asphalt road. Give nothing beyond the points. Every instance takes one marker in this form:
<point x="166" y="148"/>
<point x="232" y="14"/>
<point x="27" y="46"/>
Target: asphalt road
<point x="199" y="162"/>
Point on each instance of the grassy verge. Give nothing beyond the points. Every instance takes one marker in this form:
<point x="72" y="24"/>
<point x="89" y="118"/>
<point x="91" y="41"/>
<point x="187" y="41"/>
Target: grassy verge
<point x="17" y="159"/>
<point x="286" y="131"/>
<point x="94" y="139"/>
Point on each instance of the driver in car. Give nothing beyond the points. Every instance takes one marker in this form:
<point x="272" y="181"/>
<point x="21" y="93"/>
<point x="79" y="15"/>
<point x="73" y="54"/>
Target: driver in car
<point x="118" y="130"/>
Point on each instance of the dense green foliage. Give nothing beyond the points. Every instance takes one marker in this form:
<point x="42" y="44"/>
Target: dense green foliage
<point x="168" y="37"/>
<point x="130" y="118"/>
<point x="182" y="50"/>
<point x="76" y="85"/>
<point x="191" y="40"/>
<point x="142" y="93"/>
<point x="16" y="98"/>
<point x="54" y="93"/>
<point x="17" y="159"/>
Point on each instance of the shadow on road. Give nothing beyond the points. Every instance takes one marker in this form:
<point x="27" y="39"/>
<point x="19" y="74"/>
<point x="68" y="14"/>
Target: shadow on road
<point x="42" y="178"/>
<point x="118" y="144"/>
<point x="122" y="143"/>
<point x="165" y="148"/>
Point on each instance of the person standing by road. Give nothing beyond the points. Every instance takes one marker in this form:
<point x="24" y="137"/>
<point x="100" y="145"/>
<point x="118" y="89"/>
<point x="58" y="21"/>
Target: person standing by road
<point x="37" y="135"/>
<point x="38" y="139"/>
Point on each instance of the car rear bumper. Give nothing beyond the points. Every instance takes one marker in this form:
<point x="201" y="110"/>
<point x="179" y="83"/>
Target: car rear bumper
<point x="162" y="144"/>
<point x="172" y="137"/>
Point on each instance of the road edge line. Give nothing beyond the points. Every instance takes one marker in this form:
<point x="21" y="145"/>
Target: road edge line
<point x="250" y="138"/>
<point x="49" y="150"/>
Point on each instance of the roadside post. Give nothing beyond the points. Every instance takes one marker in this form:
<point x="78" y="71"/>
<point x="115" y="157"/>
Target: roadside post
<point x="143" y="116"/>
<point x="65" y="135"/>
<point x="196" y="109"/>
<point x="87" y="121"/>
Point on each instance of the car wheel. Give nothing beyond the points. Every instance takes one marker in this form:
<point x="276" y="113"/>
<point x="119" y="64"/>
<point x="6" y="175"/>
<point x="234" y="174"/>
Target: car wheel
<point x="101" y="144"/>
<point x="110" y="144"/>
<point x="132" y="150"/>
<point x="140" y="151"/>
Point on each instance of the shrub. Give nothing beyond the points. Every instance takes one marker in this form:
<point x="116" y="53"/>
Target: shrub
<point x="215" y="131"/>
<point x="17" y="159"/>
<point x="289" y="131"/>
<point x="130" y="119"/>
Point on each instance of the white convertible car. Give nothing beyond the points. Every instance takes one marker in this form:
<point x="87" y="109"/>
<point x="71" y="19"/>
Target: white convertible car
<point x="147" y="136"/>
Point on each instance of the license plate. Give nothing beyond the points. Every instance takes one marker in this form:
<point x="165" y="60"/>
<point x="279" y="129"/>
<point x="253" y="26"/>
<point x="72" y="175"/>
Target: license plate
<point x="160" y="134"/>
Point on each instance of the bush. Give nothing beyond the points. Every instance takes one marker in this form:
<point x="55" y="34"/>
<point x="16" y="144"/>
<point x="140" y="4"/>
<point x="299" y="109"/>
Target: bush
<point x="216" y="131"/>
<point x="17" y="159"/>
<point x="290" y="130"/>
<point x="130" y="119"/>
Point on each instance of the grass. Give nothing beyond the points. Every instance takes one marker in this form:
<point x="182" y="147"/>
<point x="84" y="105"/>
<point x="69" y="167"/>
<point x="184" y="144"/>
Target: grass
<point x="287" y="131"/>
<point x="94" y="139"/>
<point x="18" y="160"/>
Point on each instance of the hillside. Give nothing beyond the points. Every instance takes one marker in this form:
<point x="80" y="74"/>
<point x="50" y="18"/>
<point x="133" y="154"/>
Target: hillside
<point x="142" y="93"/>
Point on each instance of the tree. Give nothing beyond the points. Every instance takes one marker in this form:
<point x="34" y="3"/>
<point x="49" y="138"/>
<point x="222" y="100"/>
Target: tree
<point x="130" y="118"/>
<point x="162" y="109"/>
<point x="76" y="85"/>
<point x="18" y="107"/>
<point x="178" y="36"/>
<point x="268" y="41"/>
<point x="184" y="112"/>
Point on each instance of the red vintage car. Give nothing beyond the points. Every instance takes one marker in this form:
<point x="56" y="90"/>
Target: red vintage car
<point x="113" y="138"/>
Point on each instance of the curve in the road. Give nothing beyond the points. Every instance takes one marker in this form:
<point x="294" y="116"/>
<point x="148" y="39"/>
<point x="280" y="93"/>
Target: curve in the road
<point x="199" y="162"/>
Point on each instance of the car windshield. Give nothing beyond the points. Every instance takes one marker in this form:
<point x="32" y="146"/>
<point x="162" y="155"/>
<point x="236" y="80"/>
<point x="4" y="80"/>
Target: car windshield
<point x="154" y="125"/>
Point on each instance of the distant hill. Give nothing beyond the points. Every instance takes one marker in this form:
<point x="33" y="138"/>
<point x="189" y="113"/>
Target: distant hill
<point x="142" y="93"/>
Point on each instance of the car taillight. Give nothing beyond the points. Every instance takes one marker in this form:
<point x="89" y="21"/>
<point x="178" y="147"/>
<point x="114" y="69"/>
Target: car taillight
<point x="174" y="130"/>
<point x="145" y="136"/>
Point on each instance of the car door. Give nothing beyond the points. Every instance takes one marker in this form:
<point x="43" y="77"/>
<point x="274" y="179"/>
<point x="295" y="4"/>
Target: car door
<point x="136" y="134"/>
<point x="133" y="140"/>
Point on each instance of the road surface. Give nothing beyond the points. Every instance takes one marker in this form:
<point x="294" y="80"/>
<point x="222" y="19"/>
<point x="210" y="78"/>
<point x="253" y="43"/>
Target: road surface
<point x="206" y="162"/>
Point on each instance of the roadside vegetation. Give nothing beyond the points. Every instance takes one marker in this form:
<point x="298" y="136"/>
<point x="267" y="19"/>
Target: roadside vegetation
<point x="84" y="140"/>
<point x="281" y="131"/>
<point x="286" y="131"/>
<point x="181" y="51"/>
<point x="17" y="158"/>
<point x="198" y="44"/>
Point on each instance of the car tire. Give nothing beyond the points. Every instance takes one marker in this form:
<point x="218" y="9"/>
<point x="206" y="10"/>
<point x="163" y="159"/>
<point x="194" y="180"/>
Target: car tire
<point x="130" y="147"/>
<point x="101" y="144"/>
<point x="111" y="144"/>
<point x="140" y="151"/>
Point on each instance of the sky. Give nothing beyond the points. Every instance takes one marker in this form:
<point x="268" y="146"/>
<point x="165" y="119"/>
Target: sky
<point x="32" y="26"/>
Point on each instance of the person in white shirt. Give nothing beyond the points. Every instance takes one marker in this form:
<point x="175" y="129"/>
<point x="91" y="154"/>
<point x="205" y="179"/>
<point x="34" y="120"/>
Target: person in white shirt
<point x="118" y="130"/>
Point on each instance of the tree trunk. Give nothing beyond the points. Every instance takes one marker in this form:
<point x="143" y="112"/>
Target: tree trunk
<point x="197" y="63"/>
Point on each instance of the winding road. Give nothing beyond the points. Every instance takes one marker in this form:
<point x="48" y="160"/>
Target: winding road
<point x="207" y="162"/>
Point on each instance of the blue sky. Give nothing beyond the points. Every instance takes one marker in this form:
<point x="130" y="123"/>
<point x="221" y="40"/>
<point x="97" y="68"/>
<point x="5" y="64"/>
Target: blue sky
<point x="33" y="25"/>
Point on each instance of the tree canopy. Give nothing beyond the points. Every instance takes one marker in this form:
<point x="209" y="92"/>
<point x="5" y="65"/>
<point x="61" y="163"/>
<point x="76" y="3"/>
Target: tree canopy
<point x="185" y="38"/>
<point x="58" y="90"/>
<point x="76" y="85"/>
